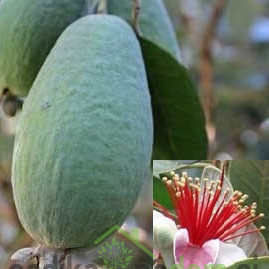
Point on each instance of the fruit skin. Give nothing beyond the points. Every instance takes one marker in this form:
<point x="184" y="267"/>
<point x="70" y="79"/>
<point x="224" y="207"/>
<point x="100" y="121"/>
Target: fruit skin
<point x="84" y="140"/>
<point x="154" y="22"/>
<point x="28" y="31"/>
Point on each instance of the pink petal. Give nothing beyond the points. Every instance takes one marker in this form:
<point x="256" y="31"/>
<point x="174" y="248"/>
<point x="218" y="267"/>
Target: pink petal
<point x="187" y="255"/>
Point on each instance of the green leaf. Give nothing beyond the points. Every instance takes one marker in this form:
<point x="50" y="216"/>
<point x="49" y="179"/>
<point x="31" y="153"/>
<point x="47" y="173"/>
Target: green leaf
<point x="105" y="261"/>
<point x="178" y="116"/>
<point x="104" y="249"/>
<point x="125" y="251"/>
<point x="252" y="178"/>
<point x="130" y="251"/>
<point x="123" y="266"/>
<point x="160" y="194"/>
<point x="100" y="252"/>
<point x="160" y="166"/>
<point x="259" y="263"/>
<point x="107" y="245"/>
<point x="128" y="258"/>
<point x="122" y="244"/>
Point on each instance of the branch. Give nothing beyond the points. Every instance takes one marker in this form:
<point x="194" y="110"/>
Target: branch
<point x="44" y="255"/>
<point x="206" y="67"/>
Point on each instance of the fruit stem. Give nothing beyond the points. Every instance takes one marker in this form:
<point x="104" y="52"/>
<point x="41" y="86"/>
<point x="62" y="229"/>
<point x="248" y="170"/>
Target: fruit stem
<point x="135" y="16"/>
<point x="102" y="7"/>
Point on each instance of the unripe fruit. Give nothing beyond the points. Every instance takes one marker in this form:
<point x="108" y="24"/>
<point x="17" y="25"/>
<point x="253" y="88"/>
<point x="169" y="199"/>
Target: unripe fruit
<point x="84" y="140"/>
<point x="28" y="31"/>
<point x="154" y="22"/>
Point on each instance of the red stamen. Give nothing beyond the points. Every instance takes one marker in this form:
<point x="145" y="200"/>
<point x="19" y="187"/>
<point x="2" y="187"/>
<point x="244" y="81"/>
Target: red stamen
<point x="208" y="213"/>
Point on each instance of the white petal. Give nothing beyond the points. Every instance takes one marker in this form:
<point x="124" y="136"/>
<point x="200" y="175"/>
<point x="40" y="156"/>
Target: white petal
<point x="160" y="220"/>
<point x="229" y="254"/>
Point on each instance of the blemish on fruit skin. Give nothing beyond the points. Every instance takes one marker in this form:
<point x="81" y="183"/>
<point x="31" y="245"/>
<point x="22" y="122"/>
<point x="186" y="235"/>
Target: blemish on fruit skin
<point x="46" y="106"/>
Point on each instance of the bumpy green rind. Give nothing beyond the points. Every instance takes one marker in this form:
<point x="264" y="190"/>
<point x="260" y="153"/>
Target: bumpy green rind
<point x="28" y="31"/>
<point x="84" y="140"/>
<point x="154" y="22"/>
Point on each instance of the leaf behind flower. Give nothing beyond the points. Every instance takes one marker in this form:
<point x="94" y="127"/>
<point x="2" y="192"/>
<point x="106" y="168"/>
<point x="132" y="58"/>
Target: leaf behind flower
<point x="261" y="263"/>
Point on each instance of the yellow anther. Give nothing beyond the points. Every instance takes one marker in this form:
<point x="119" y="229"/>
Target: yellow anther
<point x="169" y="182"/>
<point x="164" y="179"/>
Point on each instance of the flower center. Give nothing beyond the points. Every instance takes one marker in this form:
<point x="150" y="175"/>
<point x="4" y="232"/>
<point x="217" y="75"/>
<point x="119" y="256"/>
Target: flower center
<point x="208" y="212"/>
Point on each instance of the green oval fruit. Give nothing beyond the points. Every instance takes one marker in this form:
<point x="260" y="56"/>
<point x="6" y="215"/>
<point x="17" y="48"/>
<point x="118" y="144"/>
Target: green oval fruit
<point x="28" y="31"/>
<point x="154" y="22"/>
<point x="84" y="140"/>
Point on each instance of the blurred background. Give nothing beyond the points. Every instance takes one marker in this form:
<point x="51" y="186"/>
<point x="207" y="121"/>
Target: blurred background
<point x="225" y="44"/>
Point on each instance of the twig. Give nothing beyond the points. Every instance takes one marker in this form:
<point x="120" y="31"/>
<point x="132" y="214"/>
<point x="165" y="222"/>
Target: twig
<point x="206" y="68"/>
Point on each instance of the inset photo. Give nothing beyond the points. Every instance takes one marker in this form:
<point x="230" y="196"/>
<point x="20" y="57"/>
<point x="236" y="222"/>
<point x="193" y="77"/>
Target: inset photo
<point x="210" y="214"/>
